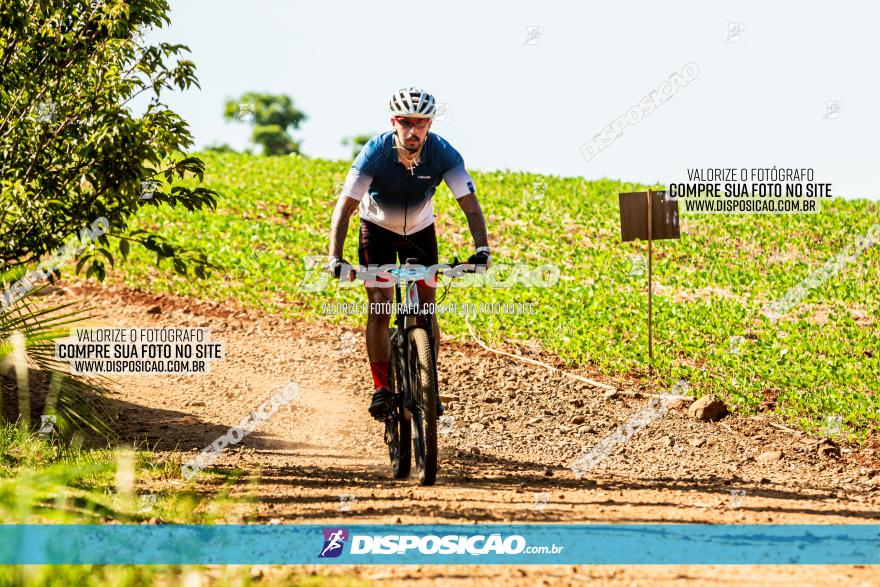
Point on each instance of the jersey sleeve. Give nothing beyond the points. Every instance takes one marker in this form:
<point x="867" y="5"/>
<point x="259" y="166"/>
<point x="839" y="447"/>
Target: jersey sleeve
<point x="356" y="184"/>
<point x="456" y="177"/>
<point x="459" y="181"/>
<point x="362" y="171"/>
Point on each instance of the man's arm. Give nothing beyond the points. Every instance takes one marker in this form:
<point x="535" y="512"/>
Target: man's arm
<point x="475" y="219"/>
<point x="356" y="184"/>
<point x="345" y="207"/>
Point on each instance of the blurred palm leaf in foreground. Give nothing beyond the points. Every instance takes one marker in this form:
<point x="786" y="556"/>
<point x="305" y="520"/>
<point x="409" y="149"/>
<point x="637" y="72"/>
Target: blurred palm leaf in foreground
<point x="40" y="383"/>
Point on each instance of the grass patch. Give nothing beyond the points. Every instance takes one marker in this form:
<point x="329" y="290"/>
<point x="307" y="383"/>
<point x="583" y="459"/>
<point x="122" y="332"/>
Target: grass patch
<point x="43" y="480"/>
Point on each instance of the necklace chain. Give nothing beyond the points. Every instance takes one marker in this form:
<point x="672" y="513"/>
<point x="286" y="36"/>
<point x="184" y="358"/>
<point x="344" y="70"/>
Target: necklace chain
<point x="413" y="161"/>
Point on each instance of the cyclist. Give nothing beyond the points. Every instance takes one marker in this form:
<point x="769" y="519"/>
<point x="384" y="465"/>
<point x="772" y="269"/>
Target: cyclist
<point x="392" y="181"/>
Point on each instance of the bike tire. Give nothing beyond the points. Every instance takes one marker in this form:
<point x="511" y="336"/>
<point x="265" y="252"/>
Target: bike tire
<point x="400" y="452"/>
<point x="425" y="396"/>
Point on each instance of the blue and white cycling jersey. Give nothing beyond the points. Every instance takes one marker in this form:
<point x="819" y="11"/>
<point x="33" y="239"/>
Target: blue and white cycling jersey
<point x="396" y="198"/>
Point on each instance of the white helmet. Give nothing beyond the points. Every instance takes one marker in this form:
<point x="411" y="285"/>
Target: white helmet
<point x="412" y="103"/>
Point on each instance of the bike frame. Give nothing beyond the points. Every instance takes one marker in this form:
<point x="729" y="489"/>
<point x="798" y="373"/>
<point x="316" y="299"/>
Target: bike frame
<point x="412" y="424"/>
<point x="409" y="315"/>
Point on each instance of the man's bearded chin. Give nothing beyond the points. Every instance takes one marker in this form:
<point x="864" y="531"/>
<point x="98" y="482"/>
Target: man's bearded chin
<point x="402" y="143"/>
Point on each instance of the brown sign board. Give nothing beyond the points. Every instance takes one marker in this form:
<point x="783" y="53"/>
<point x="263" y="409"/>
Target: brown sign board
<point x="634" y="216"/>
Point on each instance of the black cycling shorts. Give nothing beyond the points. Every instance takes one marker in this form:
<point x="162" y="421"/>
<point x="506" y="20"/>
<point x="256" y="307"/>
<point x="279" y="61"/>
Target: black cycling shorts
<point x="380" y="246"/>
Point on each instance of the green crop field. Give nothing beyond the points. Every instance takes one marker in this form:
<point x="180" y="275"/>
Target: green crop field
<point x="816" y="363"/>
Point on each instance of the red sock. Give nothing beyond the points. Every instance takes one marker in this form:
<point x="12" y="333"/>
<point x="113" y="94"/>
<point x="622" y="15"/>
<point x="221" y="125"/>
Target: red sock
<point x="380" y="373"/>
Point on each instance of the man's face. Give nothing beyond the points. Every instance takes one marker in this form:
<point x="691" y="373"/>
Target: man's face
<point x="411" y="131"/>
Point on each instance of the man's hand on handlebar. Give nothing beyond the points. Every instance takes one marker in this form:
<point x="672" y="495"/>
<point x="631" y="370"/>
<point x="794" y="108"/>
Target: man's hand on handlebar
<point x="480" y="260"/>
<point x="335" y="265"/>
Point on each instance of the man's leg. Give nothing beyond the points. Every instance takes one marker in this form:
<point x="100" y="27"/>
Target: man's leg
<point x="378" y="343"/>
<point x="376" y="248"/>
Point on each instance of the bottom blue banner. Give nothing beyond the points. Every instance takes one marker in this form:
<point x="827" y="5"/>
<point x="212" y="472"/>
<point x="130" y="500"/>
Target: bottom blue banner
<point x="541" y="544"/>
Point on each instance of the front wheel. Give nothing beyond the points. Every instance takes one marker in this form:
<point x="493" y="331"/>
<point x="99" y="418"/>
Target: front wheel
<point x="423" y="387"/>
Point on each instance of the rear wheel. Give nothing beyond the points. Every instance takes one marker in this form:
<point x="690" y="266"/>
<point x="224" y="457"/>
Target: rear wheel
<point x="398" y="429"/>
<point x="425" y="399"/>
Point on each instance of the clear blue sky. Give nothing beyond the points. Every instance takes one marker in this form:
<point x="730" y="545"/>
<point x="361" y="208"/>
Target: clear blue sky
<point x="759" y="99"/>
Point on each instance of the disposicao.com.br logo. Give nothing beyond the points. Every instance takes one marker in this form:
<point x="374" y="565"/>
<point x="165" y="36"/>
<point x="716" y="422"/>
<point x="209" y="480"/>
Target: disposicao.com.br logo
<point x="334" y="542"/>
<point x="430" y="544"/>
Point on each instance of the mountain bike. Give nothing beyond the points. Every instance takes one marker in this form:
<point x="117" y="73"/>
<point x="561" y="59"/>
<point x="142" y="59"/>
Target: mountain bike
<point x="412" y="426"/>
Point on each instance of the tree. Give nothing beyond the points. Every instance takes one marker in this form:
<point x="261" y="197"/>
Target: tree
<point x="73" y="149"/>
<point x="357" y="143"/>
<point x="77" y="161"/>
<point x="220" y="148"/>
<point x="272" y="116"/>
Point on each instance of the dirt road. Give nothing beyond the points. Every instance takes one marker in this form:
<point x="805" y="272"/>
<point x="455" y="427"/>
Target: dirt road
<point x="505" y="458"/>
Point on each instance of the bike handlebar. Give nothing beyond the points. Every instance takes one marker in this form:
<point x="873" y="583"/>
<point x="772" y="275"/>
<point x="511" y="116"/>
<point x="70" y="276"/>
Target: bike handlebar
<point x="413" y="271"/>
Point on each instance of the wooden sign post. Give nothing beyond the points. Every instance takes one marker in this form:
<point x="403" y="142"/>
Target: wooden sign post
<point x="648" y="216"/>
<point x="650" y="283"/>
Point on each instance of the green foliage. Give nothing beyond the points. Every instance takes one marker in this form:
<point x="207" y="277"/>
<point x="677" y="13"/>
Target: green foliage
<point x="821" y="359"/>
<point x="356" y="143"/>
<point x="74" y="149"/>
<point x="272" y="116"/>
